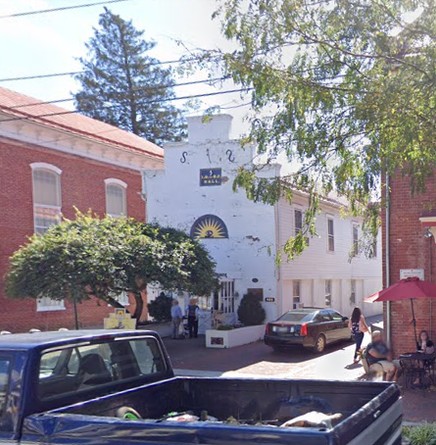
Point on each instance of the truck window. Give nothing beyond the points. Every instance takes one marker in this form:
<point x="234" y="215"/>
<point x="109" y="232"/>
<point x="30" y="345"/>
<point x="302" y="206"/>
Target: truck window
<point x="5" y="364"/>
<point x="71" y="369"/>
<point x="148" y="356"/>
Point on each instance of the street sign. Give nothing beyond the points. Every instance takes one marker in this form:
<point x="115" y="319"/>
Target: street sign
<point x="407" y="273"/>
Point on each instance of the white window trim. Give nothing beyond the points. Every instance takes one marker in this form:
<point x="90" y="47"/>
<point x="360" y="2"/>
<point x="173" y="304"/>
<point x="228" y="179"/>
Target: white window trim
<point x="114" y="181"/>
<point x="354" y="225"/>
<point x="119" y="183"/>
<point x="296" y="299"/>
<point x="53" y="169"/>
<point x="299" y="209"/>
<point x="328" y="218"/>
<point x="43" y="308"/>
<point x="330" y="291"/>
<point x="45" y="166"/>
<point x="353" y="290"/>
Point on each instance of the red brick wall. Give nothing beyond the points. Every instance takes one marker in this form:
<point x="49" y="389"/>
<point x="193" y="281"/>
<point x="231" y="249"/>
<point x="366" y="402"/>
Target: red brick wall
<point x="409" y="249"/>
<point x="82" y="186"/>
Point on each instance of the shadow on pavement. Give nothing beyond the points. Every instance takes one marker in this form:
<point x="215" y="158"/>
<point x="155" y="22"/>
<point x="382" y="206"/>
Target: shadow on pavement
<point x="192" y="354"/>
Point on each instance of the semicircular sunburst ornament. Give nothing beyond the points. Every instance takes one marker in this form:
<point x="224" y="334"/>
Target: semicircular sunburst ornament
<point x="209" y="226"/>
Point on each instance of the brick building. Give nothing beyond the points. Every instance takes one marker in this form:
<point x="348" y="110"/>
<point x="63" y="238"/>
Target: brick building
<point x="410" y="251"/>
<point x="52" y="161"/>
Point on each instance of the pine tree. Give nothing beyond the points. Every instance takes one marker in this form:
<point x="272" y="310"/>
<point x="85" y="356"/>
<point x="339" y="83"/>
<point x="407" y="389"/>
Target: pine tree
<point x="122" y="86"/>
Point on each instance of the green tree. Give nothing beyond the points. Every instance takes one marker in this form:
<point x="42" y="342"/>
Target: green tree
<point x="122" y="86"/>
<point x="91" y="257"/>
<point x="345" y="89"/>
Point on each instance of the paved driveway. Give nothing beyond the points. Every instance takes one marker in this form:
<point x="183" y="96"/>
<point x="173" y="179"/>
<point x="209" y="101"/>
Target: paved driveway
<point x="190" y="357"/>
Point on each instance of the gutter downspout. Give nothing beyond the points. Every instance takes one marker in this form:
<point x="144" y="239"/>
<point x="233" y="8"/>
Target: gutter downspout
<point x="387" y="260"/>
<point x="430" y="277"/>
<point x="279" y="283"/>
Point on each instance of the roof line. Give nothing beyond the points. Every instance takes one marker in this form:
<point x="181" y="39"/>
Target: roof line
<point x="43" y="120"/>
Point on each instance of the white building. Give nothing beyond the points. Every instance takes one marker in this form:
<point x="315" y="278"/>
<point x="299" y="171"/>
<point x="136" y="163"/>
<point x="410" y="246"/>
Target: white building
<point x="194" y="193"/>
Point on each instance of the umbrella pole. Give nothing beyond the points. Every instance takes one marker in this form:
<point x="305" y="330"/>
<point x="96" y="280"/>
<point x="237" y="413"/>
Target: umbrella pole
<point x="414" y="321"/>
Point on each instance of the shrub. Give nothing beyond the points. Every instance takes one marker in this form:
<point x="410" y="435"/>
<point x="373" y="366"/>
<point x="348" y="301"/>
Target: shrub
<point x="424" y="434"/>
<point x="160" y="308"/>
<point x="250" y="311"/>
<point x="225" y="327"/>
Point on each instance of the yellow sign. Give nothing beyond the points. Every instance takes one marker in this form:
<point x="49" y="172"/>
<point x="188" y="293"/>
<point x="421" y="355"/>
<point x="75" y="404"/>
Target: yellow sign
<point x="119" y="319"/>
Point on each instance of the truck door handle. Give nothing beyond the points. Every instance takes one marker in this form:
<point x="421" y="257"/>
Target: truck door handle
<point x="377" y="414"/>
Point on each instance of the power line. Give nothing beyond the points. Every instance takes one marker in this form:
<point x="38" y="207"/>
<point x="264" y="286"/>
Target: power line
<point x="39" y="76"/>
<point x="63" y="8"/>
<point x="157" y="87"/>
<point x="73" y="73"/>
<point x="194" y="96"/>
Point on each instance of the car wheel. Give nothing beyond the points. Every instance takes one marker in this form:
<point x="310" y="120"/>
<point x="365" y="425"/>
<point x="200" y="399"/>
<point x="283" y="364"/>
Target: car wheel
<point x="320" y="344"/>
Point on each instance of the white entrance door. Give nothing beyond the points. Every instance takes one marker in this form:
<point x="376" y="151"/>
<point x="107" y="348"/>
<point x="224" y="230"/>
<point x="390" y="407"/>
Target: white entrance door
<point x="224" y="301"/>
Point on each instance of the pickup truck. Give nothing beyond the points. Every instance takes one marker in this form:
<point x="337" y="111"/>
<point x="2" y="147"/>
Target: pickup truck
<point x="118" y="388"/>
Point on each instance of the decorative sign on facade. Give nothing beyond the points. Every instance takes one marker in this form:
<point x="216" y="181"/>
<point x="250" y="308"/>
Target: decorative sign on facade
<point x="210" y="176"/>
<point x="407" y="273"/>
<point x="119" y="319"/>
<point x="209" y="226"/>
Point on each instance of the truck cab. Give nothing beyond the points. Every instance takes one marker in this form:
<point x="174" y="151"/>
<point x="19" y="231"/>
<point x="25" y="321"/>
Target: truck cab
<point x="67" y="367"/>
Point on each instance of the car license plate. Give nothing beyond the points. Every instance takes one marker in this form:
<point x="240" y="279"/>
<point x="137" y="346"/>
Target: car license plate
<point x="280" y="329"/>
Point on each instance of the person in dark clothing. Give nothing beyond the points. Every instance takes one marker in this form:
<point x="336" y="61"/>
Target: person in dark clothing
<point x="378" y="352"/>
<point x="192" y="311"/>
<point x="358" y="327"/>
<point x="424" y="344"/>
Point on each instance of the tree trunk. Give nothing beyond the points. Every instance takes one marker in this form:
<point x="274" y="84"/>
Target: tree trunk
<point x="139" y="306"/>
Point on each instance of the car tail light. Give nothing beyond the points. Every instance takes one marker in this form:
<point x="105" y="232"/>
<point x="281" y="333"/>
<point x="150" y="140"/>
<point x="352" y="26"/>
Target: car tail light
<point x="303" y="330"/>
<point x="267" y="329"/>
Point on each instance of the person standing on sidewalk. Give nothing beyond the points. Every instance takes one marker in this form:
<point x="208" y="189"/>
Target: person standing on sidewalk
<point x="358" y="327"/>
<point x="193" y="311"/>
<point x="176" y="318"/>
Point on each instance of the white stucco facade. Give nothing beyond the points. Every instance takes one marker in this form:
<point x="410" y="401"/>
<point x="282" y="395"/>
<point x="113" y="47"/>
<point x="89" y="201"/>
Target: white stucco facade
<point x="256" y="232"/>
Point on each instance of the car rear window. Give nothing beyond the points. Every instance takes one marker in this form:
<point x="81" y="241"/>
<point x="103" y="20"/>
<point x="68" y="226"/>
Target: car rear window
<point x="67" y="370"/>
<point x="295" y="316"/>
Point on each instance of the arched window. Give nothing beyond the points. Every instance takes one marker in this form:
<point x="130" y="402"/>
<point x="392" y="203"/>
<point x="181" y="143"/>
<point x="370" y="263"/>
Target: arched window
<point x="47" y="205"/>
<point x="116" y="202"/>
<point x="47" y="200"/>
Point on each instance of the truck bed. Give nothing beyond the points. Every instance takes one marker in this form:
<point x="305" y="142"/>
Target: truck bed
<point x="371" y="414"/>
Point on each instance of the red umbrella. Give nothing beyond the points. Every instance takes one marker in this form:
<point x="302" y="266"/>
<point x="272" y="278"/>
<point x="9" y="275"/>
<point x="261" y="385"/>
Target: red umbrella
<point x="409" y="288"/>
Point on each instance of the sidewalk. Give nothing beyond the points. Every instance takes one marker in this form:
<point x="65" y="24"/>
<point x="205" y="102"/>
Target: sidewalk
<point x="190" y="357"/>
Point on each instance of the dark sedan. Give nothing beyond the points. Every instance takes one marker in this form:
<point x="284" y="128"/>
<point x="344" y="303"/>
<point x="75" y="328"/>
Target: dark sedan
<point x="309" y="327"/>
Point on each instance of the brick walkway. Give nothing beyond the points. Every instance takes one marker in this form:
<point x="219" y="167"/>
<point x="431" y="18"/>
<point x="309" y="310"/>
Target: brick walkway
<point x="191" y="357"/>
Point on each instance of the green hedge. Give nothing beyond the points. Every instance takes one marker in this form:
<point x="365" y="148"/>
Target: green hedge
<point x="424" y="434"/>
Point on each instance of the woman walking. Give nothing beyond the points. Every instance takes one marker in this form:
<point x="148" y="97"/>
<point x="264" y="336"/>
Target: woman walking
<point x="358" y="327"/>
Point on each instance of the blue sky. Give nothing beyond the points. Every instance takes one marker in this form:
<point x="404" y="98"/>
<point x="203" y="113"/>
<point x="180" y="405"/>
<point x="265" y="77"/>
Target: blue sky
<point x="52" y="42"/>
